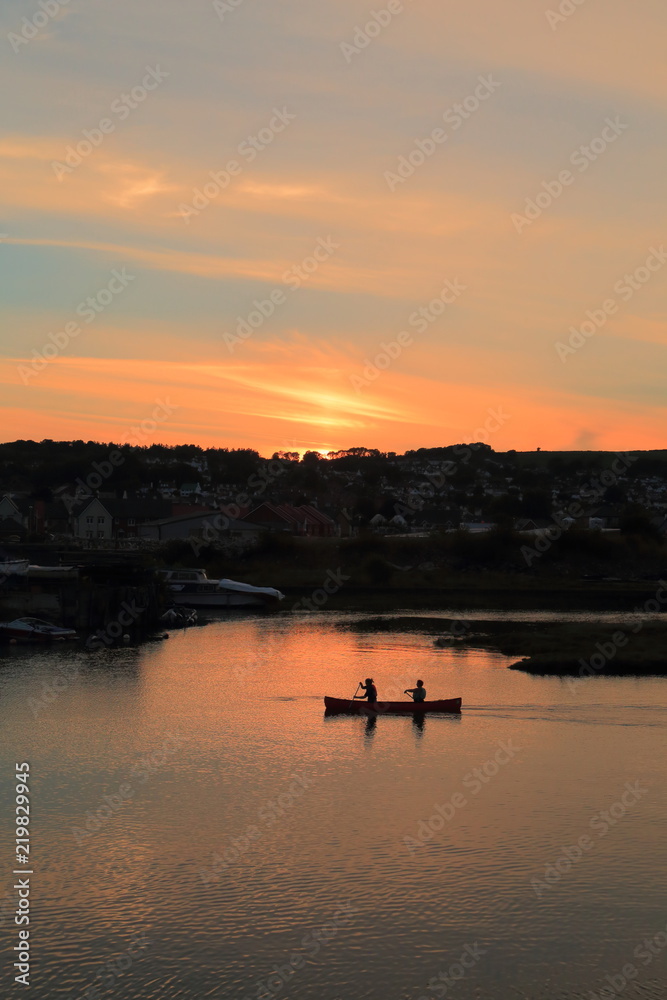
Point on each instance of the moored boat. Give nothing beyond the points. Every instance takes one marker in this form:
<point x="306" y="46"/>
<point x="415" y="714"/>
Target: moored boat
<point x="193" y="588"/>
<point x="34" y="630"/>
<point x="179" y="617"/>
<point x="13" y="567"/>
<point x="342" y="706"/>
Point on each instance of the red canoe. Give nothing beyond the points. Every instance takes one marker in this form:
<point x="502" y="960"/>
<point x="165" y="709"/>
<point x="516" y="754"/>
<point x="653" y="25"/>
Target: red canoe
<point x="360" y="707"/>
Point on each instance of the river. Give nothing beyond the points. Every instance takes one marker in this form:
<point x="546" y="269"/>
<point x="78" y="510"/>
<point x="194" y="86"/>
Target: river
<point x="200" y="829"/>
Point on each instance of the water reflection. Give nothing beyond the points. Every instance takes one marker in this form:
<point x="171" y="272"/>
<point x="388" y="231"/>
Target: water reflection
<point x="418" y="725"/>
<point x="229" y="872"/>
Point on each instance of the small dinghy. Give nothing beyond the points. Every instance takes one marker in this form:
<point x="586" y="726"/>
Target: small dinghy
<point x="179" y="617"/>
<point x="34" y="630"/>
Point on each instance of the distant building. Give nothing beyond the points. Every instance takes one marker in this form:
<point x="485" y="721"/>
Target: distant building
<point x="16" y="509"/>
<point x="305" y="520"/>
<point x="190" y="489"/>
<point x="210" y="525"/>
<point x="107" y="519"/>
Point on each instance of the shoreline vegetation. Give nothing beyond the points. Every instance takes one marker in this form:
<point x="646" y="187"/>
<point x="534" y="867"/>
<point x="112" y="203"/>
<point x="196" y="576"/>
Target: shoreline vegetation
<point x="451" y="573"/>
<point x="634" y="647"/>
<point x="497" y="560"/>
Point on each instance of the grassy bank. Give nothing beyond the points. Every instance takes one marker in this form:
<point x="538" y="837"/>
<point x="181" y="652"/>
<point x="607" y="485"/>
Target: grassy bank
<point x="580" y="561"/>
<point x="567" y="649"/>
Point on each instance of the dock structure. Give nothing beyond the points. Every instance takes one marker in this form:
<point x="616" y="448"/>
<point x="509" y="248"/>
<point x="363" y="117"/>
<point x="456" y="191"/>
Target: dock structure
<point x="86" y="590"/>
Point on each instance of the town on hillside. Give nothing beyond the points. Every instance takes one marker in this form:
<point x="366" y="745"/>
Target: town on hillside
<point x="97" y="496"/>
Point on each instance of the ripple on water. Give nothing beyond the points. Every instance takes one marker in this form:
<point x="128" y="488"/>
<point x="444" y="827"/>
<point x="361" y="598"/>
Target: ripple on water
<point x="228" y="869"/>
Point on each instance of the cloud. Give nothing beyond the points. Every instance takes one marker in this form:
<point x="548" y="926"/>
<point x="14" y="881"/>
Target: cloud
<point x="325" y="177"/>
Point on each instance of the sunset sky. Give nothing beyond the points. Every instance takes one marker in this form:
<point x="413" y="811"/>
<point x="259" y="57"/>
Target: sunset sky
<point x="304" y="116"/>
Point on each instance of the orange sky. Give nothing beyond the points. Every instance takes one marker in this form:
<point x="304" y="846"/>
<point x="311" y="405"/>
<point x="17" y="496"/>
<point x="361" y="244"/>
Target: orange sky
<point x="256" y="306"/>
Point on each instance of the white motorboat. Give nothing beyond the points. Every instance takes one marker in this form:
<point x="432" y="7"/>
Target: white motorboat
<point x="34" y="630"/>
<point x="13" y="567"/>
<point x="193" y="588"/>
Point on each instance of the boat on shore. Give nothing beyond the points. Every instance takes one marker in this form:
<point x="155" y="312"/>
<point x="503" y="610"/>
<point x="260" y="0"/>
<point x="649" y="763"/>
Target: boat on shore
<point x="192" y="588"/>
<point x="343" y="706"/>
<point x="34" y="630"/>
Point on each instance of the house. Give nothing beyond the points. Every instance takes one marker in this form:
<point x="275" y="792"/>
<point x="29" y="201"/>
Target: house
<point x="16" y="509"/>
<point x="92" y="519"/>
<point x="39" y="516"/>
<point x="305" y="520"/>
<point x="190" y="490"/>
<point x="606" y="517"/>
<point x="105" y="519"/>
<point x="210" y="526"/>
<point x="52" y="517"/>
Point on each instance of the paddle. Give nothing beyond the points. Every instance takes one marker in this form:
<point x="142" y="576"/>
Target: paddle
<point x="355" y="693"/>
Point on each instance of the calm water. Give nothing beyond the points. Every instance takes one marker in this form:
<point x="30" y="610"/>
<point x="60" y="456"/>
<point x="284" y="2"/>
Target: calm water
<point x="243" y="830"/>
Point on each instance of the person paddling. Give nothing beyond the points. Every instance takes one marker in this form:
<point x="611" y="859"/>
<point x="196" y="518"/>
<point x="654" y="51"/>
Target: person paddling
<point x="371" y="693"/>
<point x="418" y="693"/>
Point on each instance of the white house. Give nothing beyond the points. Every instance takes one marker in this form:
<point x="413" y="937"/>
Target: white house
<point x="93" y="520"/>
<point x="16" y="510"/>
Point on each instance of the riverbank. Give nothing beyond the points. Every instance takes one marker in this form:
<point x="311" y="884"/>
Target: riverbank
<point x="632" y="647"/>
<point x="579" y="562"/>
